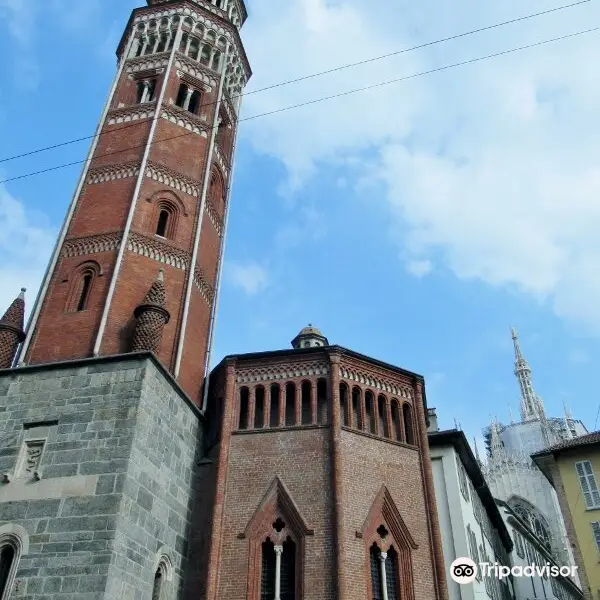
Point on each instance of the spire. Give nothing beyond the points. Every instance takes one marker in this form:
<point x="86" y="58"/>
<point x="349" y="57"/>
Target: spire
<point x="532" y="407"/>
<point x="496" y="445"/>
<point x="151" y="317"/>
<point x="11" y="330"/>
<point x="568" y="418"/>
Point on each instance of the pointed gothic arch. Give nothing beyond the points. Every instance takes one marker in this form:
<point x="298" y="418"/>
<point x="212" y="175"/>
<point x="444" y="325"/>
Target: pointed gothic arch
<point x="216" y="190"/>
<point x="385" y="528"/>
<point x="277" y="519"/>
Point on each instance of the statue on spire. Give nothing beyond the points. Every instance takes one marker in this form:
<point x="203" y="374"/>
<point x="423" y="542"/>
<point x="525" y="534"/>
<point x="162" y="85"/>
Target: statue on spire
<point x="532" y="407"/>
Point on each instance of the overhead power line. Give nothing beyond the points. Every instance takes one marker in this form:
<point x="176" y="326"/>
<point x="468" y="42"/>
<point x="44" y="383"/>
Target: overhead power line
<point x="318" y="74"/>
<point x="322" y="99"/>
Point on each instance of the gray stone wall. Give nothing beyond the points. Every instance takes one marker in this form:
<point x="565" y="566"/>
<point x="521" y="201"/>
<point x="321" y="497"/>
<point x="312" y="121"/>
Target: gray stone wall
<point x="111" y="490"/>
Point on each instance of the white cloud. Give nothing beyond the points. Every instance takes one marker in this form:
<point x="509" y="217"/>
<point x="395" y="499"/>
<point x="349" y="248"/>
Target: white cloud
<point x="252" y="278"/>
<point x="491" y="170"/>
<point x="26" y="242"/>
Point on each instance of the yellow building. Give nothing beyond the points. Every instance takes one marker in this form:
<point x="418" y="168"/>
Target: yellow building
<point x="573" y="468"/>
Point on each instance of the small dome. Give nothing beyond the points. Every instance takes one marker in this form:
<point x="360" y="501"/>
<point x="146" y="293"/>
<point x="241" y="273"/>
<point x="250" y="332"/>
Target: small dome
<point x="309" y="337"/>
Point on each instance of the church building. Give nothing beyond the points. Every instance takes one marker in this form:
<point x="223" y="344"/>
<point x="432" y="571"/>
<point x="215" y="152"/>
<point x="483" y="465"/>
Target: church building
<point x="128" y="468"/>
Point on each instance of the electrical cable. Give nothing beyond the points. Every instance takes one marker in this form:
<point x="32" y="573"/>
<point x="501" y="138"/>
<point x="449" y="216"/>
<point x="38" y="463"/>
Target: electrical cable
<point x="318" y="74"/>
<point x="318" y="100"/>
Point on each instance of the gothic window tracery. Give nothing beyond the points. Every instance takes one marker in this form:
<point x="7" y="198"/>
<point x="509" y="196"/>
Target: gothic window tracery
<point x="533" y="519"/>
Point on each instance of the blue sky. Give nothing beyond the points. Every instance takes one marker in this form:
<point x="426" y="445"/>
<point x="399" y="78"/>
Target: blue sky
<point x="414" y="223"/>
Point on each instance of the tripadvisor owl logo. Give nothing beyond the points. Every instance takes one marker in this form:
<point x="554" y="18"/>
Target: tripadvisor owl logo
<point x="463" y="570"/>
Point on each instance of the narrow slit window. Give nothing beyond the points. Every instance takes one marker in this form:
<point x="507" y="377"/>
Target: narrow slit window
<point x="274" y="408"/>
<point x="158" y="580"/>
<point x="344" y="407"/>
<point x="244" y="408"/>
<point x="139" y="92"/>
<point x="85" y="292"/>
<point x="267" y="583"/>
<point x="163" y="221"/>
<point x="290" y="404"/>
<point x="306" y="403"/>
<point x="322" y="411"/>
<point x="408" y="424"/>
<point x="151" y="90"/>
<point x="259" y="407"/>
<point x="384" y="430"/>
<point x="370" y="412"/>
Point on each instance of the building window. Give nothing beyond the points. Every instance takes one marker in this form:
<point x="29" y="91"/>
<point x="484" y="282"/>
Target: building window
<point x="244" y="408"/>
<point x="267" y="584"/>
<point x="274" y="405"/>
<point x="587" y="480"/>
<point x="370" y="412"/>
<point x="396" y="420"/>
<point x="259" y="407"/>
<point x="344" y="405"/>
<point x="384" y="572"/>
<point x="290" y="404"/>
<point x="7" y="561"/>
<point x="408" y="424"/>
<point x="158" y="581"/>
<point x="322" y="407"/>
<point x="163" y="221"/>
<point x="145" y="91"/>
<point x="194" y="104"/>
<point x="81" y="289"/>
<point x="278" y="568"/>
<point x="356" y="408"/>
<point x="596" y="532"/>
<point x="84" y="295"/>
<point x="306" y="409"/>
<point x="166" y="220"/>
<point x="181" y="95"/>
<point x="384" y="430"/>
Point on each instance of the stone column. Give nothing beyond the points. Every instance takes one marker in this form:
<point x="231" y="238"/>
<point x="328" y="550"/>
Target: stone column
<point x="278" y="552"/>
<point x="188" y="97"/>
<point x="382" y="558"/>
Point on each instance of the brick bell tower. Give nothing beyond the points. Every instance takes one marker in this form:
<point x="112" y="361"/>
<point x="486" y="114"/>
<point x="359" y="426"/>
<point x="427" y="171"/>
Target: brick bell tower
<point x="137" y="263"/>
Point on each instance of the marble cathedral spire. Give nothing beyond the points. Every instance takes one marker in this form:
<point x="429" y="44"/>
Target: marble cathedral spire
<point x="532" y="407"/>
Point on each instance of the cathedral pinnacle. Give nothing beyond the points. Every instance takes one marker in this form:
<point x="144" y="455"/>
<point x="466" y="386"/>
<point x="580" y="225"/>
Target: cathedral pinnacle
<point x="531" y="405"/>
<point x="11" y="330"/>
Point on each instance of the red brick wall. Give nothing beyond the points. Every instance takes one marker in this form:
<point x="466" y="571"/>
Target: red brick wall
<point x="104" y="207"/>
<point x="333" y="477"/>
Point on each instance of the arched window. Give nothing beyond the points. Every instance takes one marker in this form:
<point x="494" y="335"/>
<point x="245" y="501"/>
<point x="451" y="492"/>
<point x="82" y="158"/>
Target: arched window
<point x="345" y="405"/>
<point x="216" y="61"/>
<point x="205" y="55"/>
<point x="140" y="46"/>
<point x="183" y="43"/>
<point x="166" y="219"/>
<point x="384" y="430"/>
<point x="244" y="408"/>
<point x="290" y="404"/>
<point x="408" y="424"/>
<point x="215" y="191"/>
<point x="392" y="580"/>
<point x="306" y="408"/>
<point x="288" y="571"/>
<point x="162" y="44"/>
<point x="370" y="412"/>
<point x="375" y="564"/>
<point x="194" y="105"/>
<point x="384" y="572"/>
<point x="82" y="285"/>
<point x="7" y="561"/>
<point x="158" y="583"/>
<point x="356" y="411"/>
<point x="322" y="416"/>
<point x="267" y="583"/>
<point x="14" y="543"/>
<point x="259" y="407"/>
<point x="274" y="405"/>
<point x="194" y="48"/>
<point x="533" y="518"/>
<point x="163" y="221"/>
<point x="151" y="44"/>
<point x="396" y="421"/>
<point x="181" y="95"/>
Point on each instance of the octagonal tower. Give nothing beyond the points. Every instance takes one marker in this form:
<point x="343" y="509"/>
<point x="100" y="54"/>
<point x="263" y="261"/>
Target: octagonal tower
<point x="154" y="194"/>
